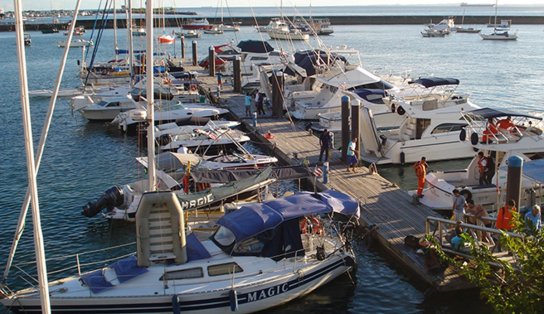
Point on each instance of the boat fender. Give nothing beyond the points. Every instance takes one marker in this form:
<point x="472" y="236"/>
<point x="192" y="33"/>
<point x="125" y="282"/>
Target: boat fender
<point x="467" y="194"/>
<point x="463" y="135"/>
<point x="401" y="110"/>
<point x="474" y="138"/>
<point x="402" y="158"/>
<point x="185" y="182"/>
<point x="233" y="298"/>
<point x="320" y="253"/>
<point x="175" y="305"/>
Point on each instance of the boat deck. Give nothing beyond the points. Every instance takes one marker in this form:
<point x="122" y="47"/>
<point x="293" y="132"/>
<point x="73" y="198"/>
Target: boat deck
<point x="386" y="209"/>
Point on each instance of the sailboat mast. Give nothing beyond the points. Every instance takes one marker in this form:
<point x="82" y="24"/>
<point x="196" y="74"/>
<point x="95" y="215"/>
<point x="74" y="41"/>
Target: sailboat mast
<point x="496" y="5"/>
<point x="49" y="116"/>
<point x="114" y="28"/>
<point x="130" y="42"/>
<point x="150" y="97"/>
<point x="31" y="169"/>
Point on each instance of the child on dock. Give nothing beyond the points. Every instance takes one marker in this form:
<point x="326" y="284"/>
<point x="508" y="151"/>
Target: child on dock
<point x="351" y="157"/>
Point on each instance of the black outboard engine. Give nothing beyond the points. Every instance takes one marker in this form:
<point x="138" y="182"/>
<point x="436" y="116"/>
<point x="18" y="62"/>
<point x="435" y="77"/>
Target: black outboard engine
<point x="164" y="139"/>
<point x="112" y="197"/>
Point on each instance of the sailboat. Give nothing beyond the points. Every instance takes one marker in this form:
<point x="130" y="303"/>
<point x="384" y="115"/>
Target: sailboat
<point x="463" y="29"/>
<point x="500" y="31"/>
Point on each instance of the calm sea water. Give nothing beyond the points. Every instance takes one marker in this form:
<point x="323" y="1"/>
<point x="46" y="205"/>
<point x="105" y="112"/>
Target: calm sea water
<point x="82" y="159"/>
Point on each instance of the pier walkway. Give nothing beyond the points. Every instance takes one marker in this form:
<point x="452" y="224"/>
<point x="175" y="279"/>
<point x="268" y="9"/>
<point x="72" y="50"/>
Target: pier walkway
<point x="386" y="209"/>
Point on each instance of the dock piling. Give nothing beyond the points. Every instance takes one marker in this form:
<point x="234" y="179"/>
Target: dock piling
<point x="355" y="126"/>
<point x="195" y="53"/>
<point x="345" y="126"/>
<point x="182" y="41"/>
<point x="211" y="61"/>
<point x="513" y="179"/>
<point x="237" y="72"/>
<point x="277" y="93"/>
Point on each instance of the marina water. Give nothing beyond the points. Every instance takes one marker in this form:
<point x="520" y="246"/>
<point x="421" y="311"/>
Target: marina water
<point x="83" y="159"/>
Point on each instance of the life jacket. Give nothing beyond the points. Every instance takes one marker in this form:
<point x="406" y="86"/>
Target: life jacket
<point x="504" y="218"/>
<point x="420" y="169"/>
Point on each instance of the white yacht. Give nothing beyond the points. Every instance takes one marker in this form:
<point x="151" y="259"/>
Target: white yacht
<point x="430" y="126"/>
<point x="279" y="29"/>
<point x="524" y="139"/>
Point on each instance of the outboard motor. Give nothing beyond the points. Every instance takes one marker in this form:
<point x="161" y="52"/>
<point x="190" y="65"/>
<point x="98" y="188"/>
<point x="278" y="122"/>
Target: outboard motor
<point x="112" y="197"/>
<point x="164" y="139"/>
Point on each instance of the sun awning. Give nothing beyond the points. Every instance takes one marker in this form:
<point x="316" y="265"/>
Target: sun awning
<point x="495" y="113"/>
<point x="432" y="81"/>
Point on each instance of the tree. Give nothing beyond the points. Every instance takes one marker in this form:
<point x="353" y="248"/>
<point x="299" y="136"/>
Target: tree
<point x="514" y="285"/>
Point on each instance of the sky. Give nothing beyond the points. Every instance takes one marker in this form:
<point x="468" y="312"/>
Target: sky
<point x="93" y="4"/>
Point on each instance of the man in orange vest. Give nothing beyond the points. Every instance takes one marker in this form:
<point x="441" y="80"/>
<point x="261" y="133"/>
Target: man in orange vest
<point x="504" y="217"/>
<point x="421" y="171"/>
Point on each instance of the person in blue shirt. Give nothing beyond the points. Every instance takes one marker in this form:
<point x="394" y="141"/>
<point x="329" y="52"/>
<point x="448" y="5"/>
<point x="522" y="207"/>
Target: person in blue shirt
<point x="532" y="220"/>
<point x="247" y="103"/>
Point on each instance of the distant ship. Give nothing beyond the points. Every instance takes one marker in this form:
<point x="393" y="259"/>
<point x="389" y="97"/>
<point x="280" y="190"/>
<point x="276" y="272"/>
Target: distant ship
<point x="464" y="4"/>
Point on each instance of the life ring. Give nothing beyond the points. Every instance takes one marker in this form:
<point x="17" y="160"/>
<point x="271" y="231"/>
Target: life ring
<point x="193" y="87"/>
<point x="310" y="225"/>
<point x="401" y="110"/>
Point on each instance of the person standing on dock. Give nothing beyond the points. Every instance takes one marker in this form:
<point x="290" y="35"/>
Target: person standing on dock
<point x="220" y="80"/>
<point x="482" y="169"/>
<point x="325" y="143"/>
<point x="420" y="168"/>
<point x="247" y="104"/>
<point x="504" y="216"/>
<point x="352" y="158"/>
<point x="260" y="103"/>
<point x="458" y="206"/>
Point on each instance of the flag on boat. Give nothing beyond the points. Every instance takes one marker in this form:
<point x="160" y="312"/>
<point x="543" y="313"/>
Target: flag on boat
<point x="317" y="171"/>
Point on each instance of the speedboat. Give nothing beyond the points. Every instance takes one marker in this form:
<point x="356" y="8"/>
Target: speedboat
<point x="524" y="140"/>
<point x="279" y="29"/>
<point x="189" y="34"/>
<point x="202" y="140"/>
<point x="327" y="98"/>
<point x="166" y="113"/>
<point x="430" y="125"/>
<point x="76" y="43"/>
<point x="174" y="174"/>
<point x="197" y="24"/>
<point x="95" y="108"/>
<point x="261" y="256"/>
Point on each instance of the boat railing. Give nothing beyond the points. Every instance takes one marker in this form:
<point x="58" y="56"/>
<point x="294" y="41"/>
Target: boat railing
<point x="78" y="265"/>
<point x="441" y="228"/>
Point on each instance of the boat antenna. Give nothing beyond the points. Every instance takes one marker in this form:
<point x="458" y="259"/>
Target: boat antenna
<point x="150" y="98"/>
<point x="49" y="116"/>
<point x="31" y="166"/>
<point x="130" y="44"/>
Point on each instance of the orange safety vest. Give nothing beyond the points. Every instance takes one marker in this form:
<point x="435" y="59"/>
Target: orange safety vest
<point x="504" y="218"/>
<point x="420" y="168"/>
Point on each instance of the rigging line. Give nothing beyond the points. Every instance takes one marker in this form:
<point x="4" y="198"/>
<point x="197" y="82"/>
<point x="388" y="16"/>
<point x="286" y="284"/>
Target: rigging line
<point x="94" y="26"/>
<point x="98" y="39"/>
<point x="41" y="145"/>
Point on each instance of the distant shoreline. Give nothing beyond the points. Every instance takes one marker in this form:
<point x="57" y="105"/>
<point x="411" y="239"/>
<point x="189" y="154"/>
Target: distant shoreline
<point x="335" y="20"/>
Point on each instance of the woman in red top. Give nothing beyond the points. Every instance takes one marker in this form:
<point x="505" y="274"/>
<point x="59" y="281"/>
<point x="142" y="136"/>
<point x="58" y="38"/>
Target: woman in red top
<point x="504" y="217"/>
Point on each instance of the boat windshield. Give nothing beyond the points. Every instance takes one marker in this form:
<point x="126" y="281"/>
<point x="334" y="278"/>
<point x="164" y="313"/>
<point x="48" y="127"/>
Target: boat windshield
<point x="102" y="103"/>
<point x="224" y="236"/>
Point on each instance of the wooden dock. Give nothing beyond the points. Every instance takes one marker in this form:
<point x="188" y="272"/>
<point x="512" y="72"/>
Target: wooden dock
<point x="386" y="209"/>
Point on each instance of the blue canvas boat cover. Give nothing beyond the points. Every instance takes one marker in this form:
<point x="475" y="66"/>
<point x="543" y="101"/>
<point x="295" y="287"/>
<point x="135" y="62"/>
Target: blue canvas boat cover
<point x="372" y="95"/>
<point x="432" y="81"/>
<point x="534" y="169"/>
<point x="256" y="46"/>
<point x="254" y="218"/>
<point x="310" y="59"/>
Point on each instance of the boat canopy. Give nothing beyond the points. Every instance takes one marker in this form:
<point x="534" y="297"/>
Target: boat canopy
<point x="353" y="78"/>
<point x="432" y="81"/>
<point x="256" y="46"/>
<point x="309" y="60"/>
<point x="496" y="113"/>
<point x="534" y="169"/>
<point x="255" y="218"/>
<point x="231" y="175"/>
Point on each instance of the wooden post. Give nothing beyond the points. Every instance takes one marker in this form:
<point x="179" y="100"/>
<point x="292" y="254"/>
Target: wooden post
<point x="182" y="41"/>
<point x="237" y="72"/>
<point x="345" y="127"/>
<point x="211" y="61"/>
<point x="355" y="127"/>
<point x="195" y="56"/>
<point x="277" y="93"/>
